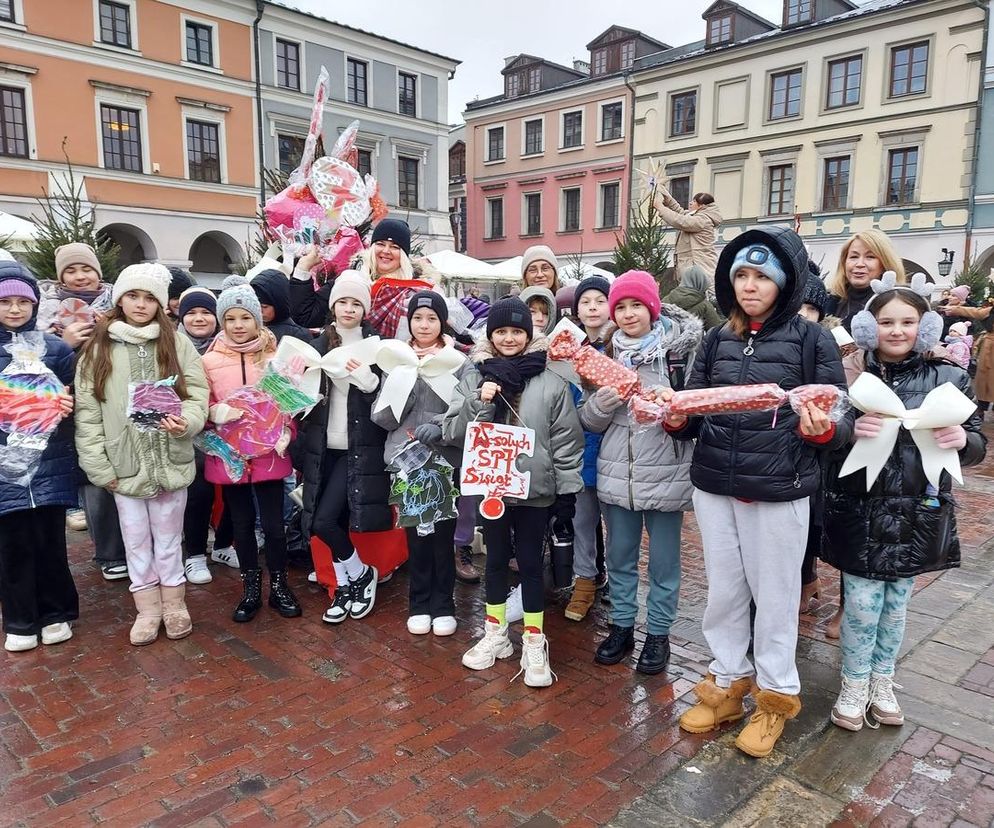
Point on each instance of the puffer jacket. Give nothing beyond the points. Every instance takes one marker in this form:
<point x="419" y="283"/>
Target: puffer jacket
<point x="756" y="456"/>
<point x="644" y="469"/>
<point x="423" y="406"/>
<point x="892" y="531"/>
<point x="144" y="463"/>
<point x="226" y="371"/>
<point x="695" y="302"/>
<point x="367" y="480"/>
<point x="546" y="406"/>
<point x="697" y="231"/>
<point x="56" y="481"/>
<point x="51" y="299"/>
<point x="273" y="289"/>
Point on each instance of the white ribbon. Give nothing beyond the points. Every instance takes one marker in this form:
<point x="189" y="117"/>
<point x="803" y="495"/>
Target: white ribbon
<point x="332" y="363"/>
<point x="944" y="406"/>
<point x="403" y="367"/>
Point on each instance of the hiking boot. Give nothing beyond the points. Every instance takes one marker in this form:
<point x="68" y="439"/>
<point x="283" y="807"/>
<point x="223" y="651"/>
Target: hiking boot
<point x="175" y="615"/>
<point x="849" y="710"/>
<point x="883" y="704"/>
<point x="759" y="737"/>
<point x="620" y="642"/>
<point x="582" y="599"/>
<point x="655" y="655"/>
<point x="148" y="602"/>
<point x="485" y="652"/>
<point x="535" y="660"/>
<point x="281" y="597"/>
<point x="251" y="596"/>
<point x="715" y="705"/>
<point x="465" y="571"/>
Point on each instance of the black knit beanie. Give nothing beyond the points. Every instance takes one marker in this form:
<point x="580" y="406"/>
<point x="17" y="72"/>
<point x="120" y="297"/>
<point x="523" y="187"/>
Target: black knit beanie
<point x="393" y="230"/>
<point x="590" y="283"/>
<point x="179" y="281"/>
<point x="428" y="299"/>
<point x="509" y="313"/>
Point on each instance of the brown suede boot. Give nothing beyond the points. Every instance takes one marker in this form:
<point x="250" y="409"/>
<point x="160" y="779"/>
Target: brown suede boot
<point x="584" y="593"/>
<point x="175" y="615"/>
<point x="716" y="705"/>
<point x="759" y="737"/>
<point x="146" y="627"/>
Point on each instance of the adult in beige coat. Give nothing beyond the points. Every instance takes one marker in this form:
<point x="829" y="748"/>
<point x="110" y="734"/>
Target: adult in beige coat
<point x="697" y="229"/>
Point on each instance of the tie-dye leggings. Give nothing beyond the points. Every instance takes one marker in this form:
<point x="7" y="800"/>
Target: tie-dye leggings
<point x="873" y="625"/>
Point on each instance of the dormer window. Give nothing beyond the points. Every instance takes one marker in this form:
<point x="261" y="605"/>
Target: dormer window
<point x="719" y="30"/>
<point x="796" y="12"/>
<point x="513" y="86"/>
<point x="534" y="79"/>
<point x="598" y="65"/>
<point x="627" y="54"/>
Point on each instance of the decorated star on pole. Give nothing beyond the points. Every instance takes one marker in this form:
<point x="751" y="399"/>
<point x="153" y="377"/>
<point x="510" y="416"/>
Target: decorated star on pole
<point x="654" y="175"/>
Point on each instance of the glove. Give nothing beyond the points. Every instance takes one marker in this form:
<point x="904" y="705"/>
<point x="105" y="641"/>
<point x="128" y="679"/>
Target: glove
<point x="224" y="413"/>
<point x="608" y="399"/>
<point x="282" y="443"/>
<point x="429" y="434"/>
<point x="564" y="508"/>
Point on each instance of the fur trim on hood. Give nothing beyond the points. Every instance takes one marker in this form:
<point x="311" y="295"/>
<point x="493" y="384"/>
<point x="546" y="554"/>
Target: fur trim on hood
<point x="689" y="330"/>
<point x="484" y="349"/>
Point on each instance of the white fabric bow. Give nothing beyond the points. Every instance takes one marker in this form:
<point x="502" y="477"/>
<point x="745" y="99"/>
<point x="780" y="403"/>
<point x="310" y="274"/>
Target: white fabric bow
<point x="403" y="367"/>
<point x="944" y="406"/>
<point x="332" y="363"/>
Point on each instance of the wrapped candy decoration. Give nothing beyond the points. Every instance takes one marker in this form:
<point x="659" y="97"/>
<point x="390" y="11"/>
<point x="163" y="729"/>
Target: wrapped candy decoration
<point x="210" y="442"/>
<point x="74" y="310"/>
<point x="149" y="402"/>
<point x="341" y="190"/>
<point x="277" y="383"/>
<point x="593" y="367"/>
<point x="260" y="427"/>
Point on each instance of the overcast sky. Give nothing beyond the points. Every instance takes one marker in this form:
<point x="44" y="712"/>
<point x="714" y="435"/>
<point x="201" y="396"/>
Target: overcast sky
<point x="481" y="35"/>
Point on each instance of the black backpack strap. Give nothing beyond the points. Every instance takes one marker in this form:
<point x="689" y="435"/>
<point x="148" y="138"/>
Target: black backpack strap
<point x="809" y="352"/>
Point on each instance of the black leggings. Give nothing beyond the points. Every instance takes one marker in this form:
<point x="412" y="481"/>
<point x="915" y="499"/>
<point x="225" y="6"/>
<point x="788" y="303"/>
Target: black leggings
<point x="431" y="566"/>
<point x="809" y="566"/>
<point x="197" y="516"/>
<point x="269" y="495"/>
<point x="331" y="512"/>
<point x="528" y="524"/>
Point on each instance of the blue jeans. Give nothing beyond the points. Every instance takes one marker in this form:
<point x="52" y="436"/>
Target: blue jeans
<point x="624" y="542"/>
<point x="873" y="625"/>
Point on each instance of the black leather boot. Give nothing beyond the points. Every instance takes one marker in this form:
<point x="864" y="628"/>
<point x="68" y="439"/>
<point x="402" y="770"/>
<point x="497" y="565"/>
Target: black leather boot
<point x="251" y="595"/>
<point x="281" y="597"/>
<point x="620" y="642"/>
<point x="655" y="655"/>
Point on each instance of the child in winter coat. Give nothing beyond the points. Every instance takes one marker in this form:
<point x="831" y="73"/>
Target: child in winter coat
<point x="346" y="486"/>
<point x="237" y="358"/>
<point x="959" y="344"/>
<point x="753" y="476"/>
<point x="542" y="304"/>
<point x="431" y="561"/>
<point x="902" y="526"/>
<point x="36" y="587"/>
<point x="511" y="385"/>
<point x="643" y="475"/>
<point x="148" y="471"/>
<point x="273" y="290"/>
<point x="196" y="311"/>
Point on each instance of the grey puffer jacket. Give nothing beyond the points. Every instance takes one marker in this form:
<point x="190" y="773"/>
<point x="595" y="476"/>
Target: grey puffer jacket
<point x="642" y="468"/>
<point x="545" y="405"/>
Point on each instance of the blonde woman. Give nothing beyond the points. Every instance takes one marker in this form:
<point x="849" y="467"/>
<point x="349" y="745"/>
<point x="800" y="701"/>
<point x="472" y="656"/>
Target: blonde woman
<point x="864" y="257"/>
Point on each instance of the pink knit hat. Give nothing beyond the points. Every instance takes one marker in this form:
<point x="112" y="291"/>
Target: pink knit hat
<point x="961" y="292"/>
<point x="639" y="285"/>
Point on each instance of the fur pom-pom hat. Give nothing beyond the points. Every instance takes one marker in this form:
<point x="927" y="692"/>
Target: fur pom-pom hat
<point x="864" y="323"/>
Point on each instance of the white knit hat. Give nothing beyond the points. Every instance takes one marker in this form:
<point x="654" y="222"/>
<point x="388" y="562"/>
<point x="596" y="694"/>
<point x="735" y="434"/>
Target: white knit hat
<point x="148" y="276"/>
<point x="351" y="284"/>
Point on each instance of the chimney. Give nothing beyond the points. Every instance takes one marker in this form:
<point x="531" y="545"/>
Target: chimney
<point x="509" y="60"/>
<point x="582" y="66"/>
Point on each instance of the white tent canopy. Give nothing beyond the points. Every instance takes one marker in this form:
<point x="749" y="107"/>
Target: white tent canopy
<point x="512" y="267"/>
<point x="457" y="265"/>
<point x="16" y="231"/>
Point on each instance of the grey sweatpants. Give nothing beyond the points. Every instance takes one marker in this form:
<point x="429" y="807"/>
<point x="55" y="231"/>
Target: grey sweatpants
<point x="753" y="551"/>
<point x="588" y="515"/>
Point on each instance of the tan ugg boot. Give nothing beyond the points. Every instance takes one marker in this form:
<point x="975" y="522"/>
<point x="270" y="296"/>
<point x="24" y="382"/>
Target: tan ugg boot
<point x="716" y="705"/>
<point x="759" y="737"/>
<point x="175" y="615"/>
<point x="584" y="593"/>
<point x="146" y="627"/>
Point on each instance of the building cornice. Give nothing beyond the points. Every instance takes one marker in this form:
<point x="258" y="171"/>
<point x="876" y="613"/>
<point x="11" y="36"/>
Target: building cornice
<point x="364" y="114"/>
<point x="616" y="161"/>
<point x="546" y="100"/>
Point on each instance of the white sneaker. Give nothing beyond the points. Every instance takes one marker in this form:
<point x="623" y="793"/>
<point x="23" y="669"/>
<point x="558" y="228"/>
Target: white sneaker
<point x="443" y="625"/>
<point x="535" y="661"/>
<point x="849" y="711"/>
<point x="419" y="624"/>
<point x="340" y="606"/>
<point x="494" y="644"/>
<point x="196" y="570"/>
<point x="226" y="555"/>
<point x="312" y="578"/>
<point x="883" y="704"/>
<point x="514" y="610"/>
<point x="56" y="633"/>
<point x="20" y="643"/>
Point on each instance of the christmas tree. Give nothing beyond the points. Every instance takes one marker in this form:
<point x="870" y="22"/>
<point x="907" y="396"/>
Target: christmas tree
<point x="67" y="218"/>
<point x="978" y="282"/>
<point x="642" y="247"/>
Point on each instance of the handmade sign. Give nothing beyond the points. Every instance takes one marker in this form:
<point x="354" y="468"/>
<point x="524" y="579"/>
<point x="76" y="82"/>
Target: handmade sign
<point x="149" y="402"/>
<point x="944" y="406"/>
<point x="593" y="367"/>
<point x="403" y="367"/>
<point x="421" y="487"/>
<point x="490" y="464"/>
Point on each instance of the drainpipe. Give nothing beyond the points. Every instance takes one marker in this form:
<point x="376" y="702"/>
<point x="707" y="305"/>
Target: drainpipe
<point x="260" y="7"/>
<point x="631" y="149"/>
<point x="975" y="160"/>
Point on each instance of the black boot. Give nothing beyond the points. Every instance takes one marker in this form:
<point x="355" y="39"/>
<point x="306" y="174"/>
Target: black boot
<point x="251" y="595"/>
<point x="620" y="642"/>
<point x="655" y="655"/>
<point x="281" y="597"/>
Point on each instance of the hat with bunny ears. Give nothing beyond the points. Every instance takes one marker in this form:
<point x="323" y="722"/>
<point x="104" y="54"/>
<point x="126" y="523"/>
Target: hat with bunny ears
<point x="864" y="323"/>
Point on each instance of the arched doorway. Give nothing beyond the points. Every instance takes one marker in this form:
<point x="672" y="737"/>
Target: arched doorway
<point x="213" y="256"/>
<point x="608" y="266"/>
<point x="912" y="267"/>
<point x="984" y="263"/>
<point x="135" y="244"/>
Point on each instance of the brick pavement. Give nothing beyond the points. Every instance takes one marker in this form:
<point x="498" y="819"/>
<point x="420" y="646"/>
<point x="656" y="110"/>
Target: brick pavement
<point x="298" y="723"/>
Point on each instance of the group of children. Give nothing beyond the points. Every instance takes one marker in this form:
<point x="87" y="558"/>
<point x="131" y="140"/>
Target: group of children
<point x="757" y="485"/>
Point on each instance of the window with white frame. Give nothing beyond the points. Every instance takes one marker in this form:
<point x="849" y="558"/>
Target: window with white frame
<point x="780" y="189"/>
<point x="599" y="66"/>
<point x="115" y="24"/>
<point x="290" y="149"/>
<point x="356" y="72"/>
<point x="407" y="182"/>
<point x="532" y="214"/>
<point x="287" y="64"/>
<point x="7" y="11"/>
<point x="513" y="85"/>
<point x="13" y="122"/>
<point x="122" y="141"/>
<point x="494" y="218"/>
<point x="495" y="144"/>
<point x="535" y="79"/>
<point x="199" y="43"/>
<point x="611" y="121"/>
<point x="572" y="129"/>
<point x="203" y="151"/>
<point x="627" y="54"/>
<point x="611" y="204"/>
<point x="533" y="137"/>
<point x="798" y="11"/>
<point x="407" y="94"/>
<point x="570" y="209"/>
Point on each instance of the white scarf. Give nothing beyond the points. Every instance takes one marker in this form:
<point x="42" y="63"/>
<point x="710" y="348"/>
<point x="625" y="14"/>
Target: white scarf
<point x="121" y="331"/>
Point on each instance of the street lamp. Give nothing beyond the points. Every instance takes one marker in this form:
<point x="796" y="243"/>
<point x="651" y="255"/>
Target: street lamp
<point x="946" y="265"/>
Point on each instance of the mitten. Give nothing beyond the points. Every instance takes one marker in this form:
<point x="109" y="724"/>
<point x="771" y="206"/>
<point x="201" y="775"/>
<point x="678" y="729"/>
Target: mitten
<point x="224" y="413"/>
<point x="428" y="433"/>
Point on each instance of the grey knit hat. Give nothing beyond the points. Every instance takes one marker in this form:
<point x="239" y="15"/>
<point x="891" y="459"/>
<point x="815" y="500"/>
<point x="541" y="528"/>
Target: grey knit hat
<point x="239" y="296"/>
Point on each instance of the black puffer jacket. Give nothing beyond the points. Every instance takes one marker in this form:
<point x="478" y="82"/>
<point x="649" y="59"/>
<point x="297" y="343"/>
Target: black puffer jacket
<point x="891" y="531"/>
<point x="755" y="456"/>
<point x="273" y="288"/>
<point x="368" y="481"/>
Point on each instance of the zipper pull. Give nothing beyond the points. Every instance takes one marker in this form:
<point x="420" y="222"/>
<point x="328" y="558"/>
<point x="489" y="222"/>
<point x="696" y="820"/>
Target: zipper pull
<point x="797" y="481"/>
<point x="748" y="350"/>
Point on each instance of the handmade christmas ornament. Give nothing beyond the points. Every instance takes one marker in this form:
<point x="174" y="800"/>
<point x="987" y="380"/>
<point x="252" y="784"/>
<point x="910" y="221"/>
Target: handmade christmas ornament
<point x="150" y="401"/>
<point x="490" y="465"/>
<point x="71" y="311"/>
<point x="421" y="487"/>
<point x="260" y="427"/>
<point x="944" y="406"/>
<point x="210" y="442"/>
